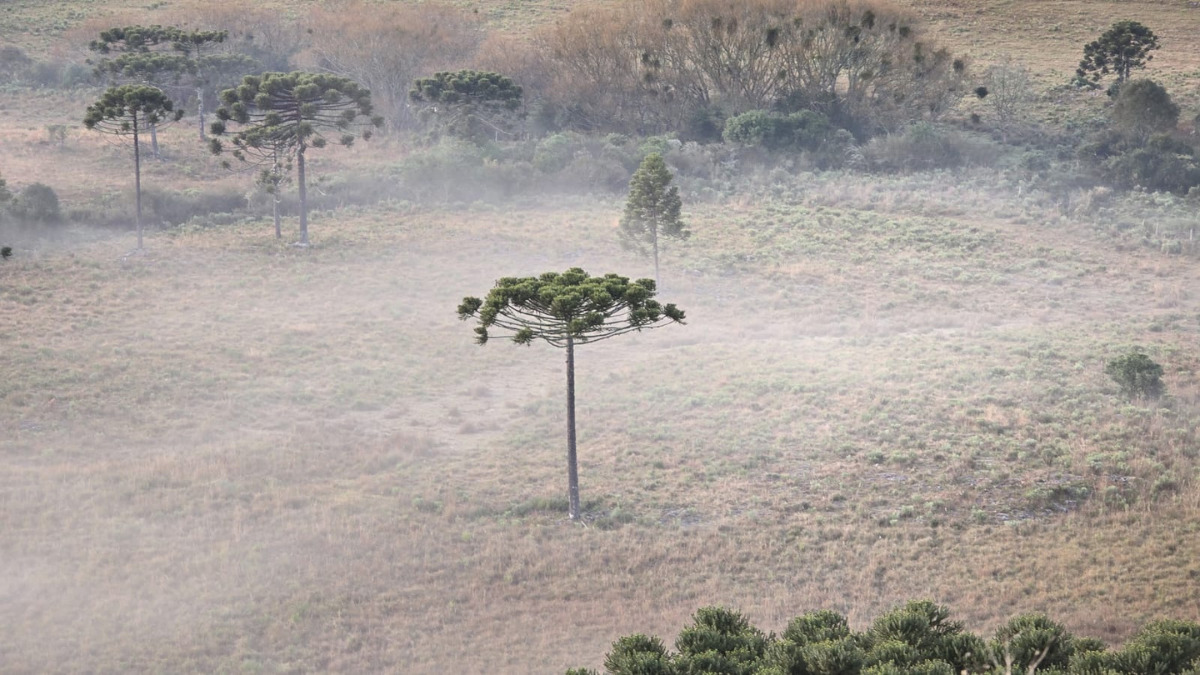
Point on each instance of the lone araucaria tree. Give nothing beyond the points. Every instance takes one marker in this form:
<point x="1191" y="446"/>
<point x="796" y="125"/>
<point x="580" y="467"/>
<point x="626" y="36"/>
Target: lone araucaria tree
<point x="287" y="112"/>
<point x="652" y="209"/>
<point x="564" y="310"/>
<point x="127" y="111"/>
<point x="1124" y="46"/>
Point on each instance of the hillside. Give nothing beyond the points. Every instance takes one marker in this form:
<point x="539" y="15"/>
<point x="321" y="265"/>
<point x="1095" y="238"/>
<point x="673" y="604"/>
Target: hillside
<point x="233" y="454"/>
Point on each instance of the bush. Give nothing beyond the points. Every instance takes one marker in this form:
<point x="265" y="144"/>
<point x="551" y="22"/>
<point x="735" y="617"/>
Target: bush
<point x="638" y="655"/>
<point x="924" y="146"/>
<point x="37" y="203"/>
<point x="1027" y="637"/>
<point x="720" y="640"/>
<point x="1136" y="374"/>
<point x="1144" y="107"/>
<point x="916" y="639"/>
<point x="803" y="130"/>
<point x="1164" y="164"/>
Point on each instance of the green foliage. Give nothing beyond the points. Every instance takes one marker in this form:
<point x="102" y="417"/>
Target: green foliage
<point x="652" y="209"/>
<point x="922" y="630"/>
<point x="37" y="203"/>
<point x="572" y="305"/>
<point x="819" y="626"/>
<point x="470" y="104"/>
<point x="1137" y="375"/>
<point x="284" y="114"/>
<point x="5" y="252"/>
<point x="297" y="107"/>
<point x="916" y="639"/>
<point x="1162" y="163"/>
<point x="720" y="640"/>
<point x="803" y="130"/>
<point x="1143" y="107"/>
<point x="1124" y="46"/>
<point x="126" y="108"/>
<point x="638" y="655"/>
<point x="1167" y="646"/>
<point x="1033" y="639"/>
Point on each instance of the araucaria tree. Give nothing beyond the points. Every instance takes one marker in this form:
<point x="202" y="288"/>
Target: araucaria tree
<point x="170" y="58"/>
<point x="1123" y="47"/>
<point x="652" y="209"/>
<point x="564" y="310"/>
<point x="128" y="110"/>
<point x="469" y="104"/>
<point x="287" y="113"/>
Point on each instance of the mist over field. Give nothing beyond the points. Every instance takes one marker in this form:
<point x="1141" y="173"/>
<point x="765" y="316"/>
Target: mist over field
<point x="227" y="452"/>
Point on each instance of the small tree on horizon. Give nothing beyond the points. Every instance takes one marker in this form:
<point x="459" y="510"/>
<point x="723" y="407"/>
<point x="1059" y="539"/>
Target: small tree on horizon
<point x="286" y="113"/>
<point x="127" y="111"/>
<point x="564" y="310"/>
<point x="1124" y="46"/>
<point x="652" y="209"/>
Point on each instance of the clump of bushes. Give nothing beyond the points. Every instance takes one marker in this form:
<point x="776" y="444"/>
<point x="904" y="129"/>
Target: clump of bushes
<point x="924" y="146"/>
<point x="1137" y="375"/>
<point x="916" y="638"/>
<point x="804" y="130"/>
<point x="37" y="204"/>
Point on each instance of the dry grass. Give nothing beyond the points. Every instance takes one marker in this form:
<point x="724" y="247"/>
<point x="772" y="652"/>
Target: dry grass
<point x="229" y="454"/>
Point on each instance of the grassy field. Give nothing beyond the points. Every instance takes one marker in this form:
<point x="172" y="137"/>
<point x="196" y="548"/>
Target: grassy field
<point x="229" y="454"/>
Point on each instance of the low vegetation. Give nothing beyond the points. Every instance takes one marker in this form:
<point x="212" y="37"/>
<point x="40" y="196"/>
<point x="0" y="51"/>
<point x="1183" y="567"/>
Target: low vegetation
<point x="917" y="637"/>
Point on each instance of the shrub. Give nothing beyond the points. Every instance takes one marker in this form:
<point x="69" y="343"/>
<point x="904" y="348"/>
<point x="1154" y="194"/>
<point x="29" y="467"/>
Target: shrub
<point x="638" y="655"/>
<point x="1136" y="374"/>
<point x="1027" y="637"/>
<point x="1144" y="107"/>
<point x="720" y="640"/>
<point x="925" y="146"/>
<point x="1163" y="164"/>
<point x="38" y="203"/>
<point x="804" y="130"/>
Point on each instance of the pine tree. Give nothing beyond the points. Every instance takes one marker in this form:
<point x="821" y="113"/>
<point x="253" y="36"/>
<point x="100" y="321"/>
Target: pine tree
<point x="652" y="209"/>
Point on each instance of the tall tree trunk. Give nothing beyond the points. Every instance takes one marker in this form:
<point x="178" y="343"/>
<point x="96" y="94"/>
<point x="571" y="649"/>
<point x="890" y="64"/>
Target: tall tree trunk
<point x="137" y="178"/>
<point x="303" y="196"/>
<point x="275" y="195"/>
<point x="275" y="213"/>
<point x="200" y="109"/>
<point x="654" y="235"/>
<point x="154" y="140"/>
<point x="572" y="468"/>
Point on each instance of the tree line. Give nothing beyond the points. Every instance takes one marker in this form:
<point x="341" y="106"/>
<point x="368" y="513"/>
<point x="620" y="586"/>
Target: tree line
<point x="917" y="638"/>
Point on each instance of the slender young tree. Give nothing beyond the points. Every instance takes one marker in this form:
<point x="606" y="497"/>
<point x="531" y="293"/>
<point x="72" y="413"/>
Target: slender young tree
<point x="652" y="209"/>
<point x="289" y="112"/>
<point x="127" y="111"/>
<point x="564" y="310"/>
<point x="271" y="153"/>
